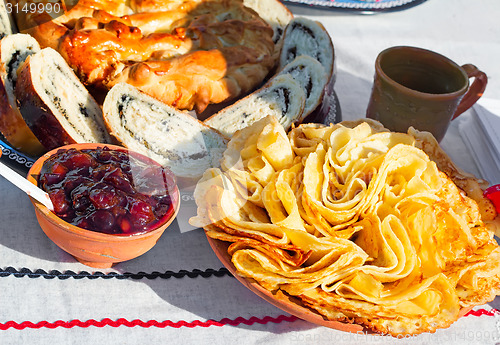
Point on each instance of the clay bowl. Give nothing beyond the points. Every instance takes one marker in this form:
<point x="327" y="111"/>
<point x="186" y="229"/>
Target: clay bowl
<point x="92" y="248"/>
<point x="285" y="302"/>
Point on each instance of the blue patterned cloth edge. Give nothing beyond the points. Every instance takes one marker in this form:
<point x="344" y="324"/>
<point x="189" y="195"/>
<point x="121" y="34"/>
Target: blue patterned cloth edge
<point x="355" y="4"/>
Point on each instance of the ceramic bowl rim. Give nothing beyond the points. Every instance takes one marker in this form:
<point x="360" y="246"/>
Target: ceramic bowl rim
<point x="89" y="234"/>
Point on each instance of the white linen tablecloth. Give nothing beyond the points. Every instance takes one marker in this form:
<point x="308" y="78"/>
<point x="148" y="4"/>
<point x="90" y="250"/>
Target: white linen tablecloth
<point x="178" y="291"/>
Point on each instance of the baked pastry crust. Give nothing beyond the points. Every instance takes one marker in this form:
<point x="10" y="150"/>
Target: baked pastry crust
<point x="14" y="49"/>
<point x="55" y="105"/>
<point x="141" y="123"/>
<point x="185" y="53"/>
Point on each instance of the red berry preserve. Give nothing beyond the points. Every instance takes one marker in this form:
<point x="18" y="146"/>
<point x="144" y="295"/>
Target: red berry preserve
<point x="108" y="191"/>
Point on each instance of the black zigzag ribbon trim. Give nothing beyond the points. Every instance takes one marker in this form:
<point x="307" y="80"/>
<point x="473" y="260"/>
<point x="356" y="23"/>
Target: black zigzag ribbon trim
<point x="40" y="273"/>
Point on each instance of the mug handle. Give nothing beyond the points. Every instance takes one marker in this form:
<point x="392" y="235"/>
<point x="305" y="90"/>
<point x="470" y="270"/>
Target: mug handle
<point x="475" y="90"/>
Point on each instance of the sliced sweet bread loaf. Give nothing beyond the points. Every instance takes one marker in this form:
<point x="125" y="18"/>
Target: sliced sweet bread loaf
<point x="275" y="14"/>
<point x="307" y="37"/>
<point x="7" y="26"/>
<point x="281" y="97"/>
<point x="169" y="136"/>
<point x="14" y="49"/>
<point x="55" y="104"/>
<point x="311" y="76"/>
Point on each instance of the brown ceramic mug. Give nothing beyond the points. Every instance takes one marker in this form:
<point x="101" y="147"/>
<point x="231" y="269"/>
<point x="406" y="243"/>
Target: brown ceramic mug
<point x="423" y="89"/>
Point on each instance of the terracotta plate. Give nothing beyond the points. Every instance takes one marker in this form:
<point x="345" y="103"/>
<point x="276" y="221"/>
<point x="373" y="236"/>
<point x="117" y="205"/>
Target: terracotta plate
<point x="285" y="302"/>
<point x="279" y="300"/>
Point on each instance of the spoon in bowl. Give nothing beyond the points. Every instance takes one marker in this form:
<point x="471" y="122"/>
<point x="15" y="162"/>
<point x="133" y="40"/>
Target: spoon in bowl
<point x="26" y="186"/>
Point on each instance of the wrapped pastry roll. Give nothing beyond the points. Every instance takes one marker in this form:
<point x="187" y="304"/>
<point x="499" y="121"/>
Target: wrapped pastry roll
<point x="14" y="49"/>
<point x="55" y="104"/>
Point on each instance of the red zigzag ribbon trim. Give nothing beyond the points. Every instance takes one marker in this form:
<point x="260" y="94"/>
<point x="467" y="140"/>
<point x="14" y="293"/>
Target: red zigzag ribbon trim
<point x="178" y="324"/>
<point x="481" y="312"/>
<point x="146" y="324"/>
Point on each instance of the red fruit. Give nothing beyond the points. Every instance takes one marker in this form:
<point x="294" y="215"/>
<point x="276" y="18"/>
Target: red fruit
<point x="74" y="159"/>
<point x="121" y="157"/>
<point x="118" y="211"/>
<point x="50" y="179"/>
<point x="99" y="172"/>
<point x="79" y="195"/>
<point x="83" y="223"/>
<point x="92" y="189"/>
<point x="161" y="210"/>
<point x="102" y="220"/>
<point x="141" y="213"/>
<point x="58" y="168"/>
<point x="104" y="196"/>
<point x="58" y="198"/>
<point x="124" y="225"/>
<point x="72" y="182"/>
<point x="117" y="178"/>
<point x="493" y="193"/>
<point x="103" y="155"/>
<point x="80" y="202"/>
<point x="54" y="174"/>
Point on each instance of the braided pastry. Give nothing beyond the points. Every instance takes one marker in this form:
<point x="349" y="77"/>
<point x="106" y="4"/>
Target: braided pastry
<point x="186" y="53"/>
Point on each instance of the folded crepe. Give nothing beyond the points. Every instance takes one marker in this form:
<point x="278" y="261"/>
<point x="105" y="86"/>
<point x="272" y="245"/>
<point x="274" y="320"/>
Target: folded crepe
<point x="360" y="224"/>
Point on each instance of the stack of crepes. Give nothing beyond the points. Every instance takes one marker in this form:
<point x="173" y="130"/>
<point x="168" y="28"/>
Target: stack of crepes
<point x="355" y="222"/>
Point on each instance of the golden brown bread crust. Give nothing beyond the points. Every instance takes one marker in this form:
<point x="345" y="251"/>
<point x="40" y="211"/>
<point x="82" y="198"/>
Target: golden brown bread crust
<point x="186" y="53"/>
<point x="12" y="124"/>
<point x="14" y="129"/>
<point x="43" y="124"/>
<point x="54" y="103"/>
